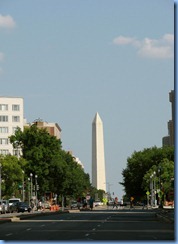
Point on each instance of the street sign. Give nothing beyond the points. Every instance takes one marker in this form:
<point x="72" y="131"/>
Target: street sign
<point x="148" y="193"/>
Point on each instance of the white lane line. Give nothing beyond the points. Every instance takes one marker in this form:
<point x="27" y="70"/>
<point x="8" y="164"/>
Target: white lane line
<point x="9" y="234"/>
<point x="28" y="229"/>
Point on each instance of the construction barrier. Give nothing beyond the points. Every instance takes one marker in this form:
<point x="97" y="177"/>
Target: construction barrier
<point x="54" y="207"/>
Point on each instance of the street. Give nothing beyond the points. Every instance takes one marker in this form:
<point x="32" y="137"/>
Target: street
<point x="102" y="224"/>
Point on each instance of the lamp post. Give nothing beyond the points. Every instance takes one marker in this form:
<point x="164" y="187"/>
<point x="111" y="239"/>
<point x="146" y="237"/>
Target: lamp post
<point x="31" y="187"/>
<point x="151" y="189"/>
<point x="29" y="191"/>
<point x="36" y="188"/>
<point x="23" y="186"/>
<point x="154" y="187"/>
<point x="0" y="179"/>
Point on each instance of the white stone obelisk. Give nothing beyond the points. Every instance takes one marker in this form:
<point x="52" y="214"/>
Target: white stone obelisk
<point x="98" y="159"/>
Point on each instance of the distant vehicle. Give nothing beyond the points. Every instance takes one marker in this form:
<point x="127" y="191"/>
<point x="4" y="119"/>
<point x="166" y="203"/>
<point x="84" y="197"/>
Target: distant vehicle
<point x="75" y="205"/>
<point x="20" y="207"/>
<point x="13" y="200"/>
<point x="46" y="205"/>
<point x="4" y="206"/>
<point x="98" y="203"/>
<point x="111" y="202"/>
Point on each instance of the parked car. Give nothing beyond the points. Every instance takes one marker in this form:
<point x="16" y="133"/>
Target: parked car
<point x="4" y="206"/>
<point x="20" y="207"/>
<point x="110" y="202"/>
<point x="98" y="203"/>
<point x="46" y="205"/>
<point x="75" y="205"/>
<point x="13" y="200"/>
<point x="13" y="207"/>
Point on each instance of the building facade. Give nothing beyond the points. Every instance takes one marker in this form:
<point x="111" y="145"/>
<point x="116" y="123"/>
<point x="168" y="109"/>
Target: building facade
<point x="52" y="128"/>
<point x="98" y="158"/>
<point x="169" y="139"/>
<point x="11" y="117"/>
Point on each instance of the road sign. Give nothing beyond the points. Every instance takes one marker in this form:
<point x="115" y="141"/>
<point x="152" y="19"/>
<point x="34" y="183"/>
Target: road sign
<point x="148" y="193"/>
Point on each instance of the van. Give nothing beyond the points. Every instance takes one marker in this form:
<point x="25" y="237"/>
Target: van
<point x="13" y="200"/>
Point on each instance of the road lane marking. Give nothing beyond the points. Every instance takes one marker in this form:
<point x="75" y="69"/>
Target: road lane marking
<point x="121" y="231"/>
<point x="81" y="220"/>
<point x="9" y="234"/>
<point x="28" y="229"/>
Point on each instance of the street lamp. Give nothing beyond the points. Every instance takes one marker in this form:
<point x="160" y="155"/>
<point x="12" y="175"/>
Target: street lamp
<point x="22" y="186"/>
<point x="151" y="188"/>
<point x="31" y="175"/>
<point x="154" y="187"/>
<point x="36" y="188"/>
<point x="29" y="191"/>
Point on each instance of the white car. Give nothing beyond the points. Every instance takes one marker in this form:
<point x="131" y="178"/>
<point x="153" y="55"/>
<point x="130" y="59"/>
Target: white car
<point x="98" y="203"/>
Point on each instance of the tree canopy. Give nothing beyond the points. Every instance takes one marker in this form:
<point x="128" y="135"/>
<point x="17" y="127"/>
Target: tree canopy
<point x="57" y="170"/>
<point x="139" y="164"/>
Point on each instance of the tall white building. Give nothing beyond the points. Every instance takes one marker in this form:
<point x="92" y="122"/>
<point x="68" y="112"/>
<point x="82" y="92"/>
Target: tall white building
<point x="98" y="158"/>
<point x="11" y="117"/>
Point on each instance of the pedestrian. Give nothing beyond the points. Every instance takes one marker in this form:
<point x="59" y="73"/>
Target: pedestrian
<point x="32" y="204"/>
<point x="115" y="203"/>
<point x="107" y="204"/>
<point x="91" y="203"/>
<point x="122" y="204"/>
<point x="39" y="205"/>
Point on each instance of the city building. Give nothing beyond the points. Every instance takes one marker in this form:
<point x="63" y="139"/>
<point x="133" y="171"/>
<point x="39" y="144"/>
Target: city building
<point x="169" y="139"/>
<point x="11" y="117"/>
<point x="77" y="160"/>
<point x="98" y="158"/>
<point x="52" y="128"/>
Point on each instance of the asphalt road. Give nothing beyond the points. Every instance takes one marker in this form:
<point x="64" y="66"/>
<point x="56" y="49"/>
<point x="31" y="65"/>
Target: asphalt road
<point x="94" y="225"/>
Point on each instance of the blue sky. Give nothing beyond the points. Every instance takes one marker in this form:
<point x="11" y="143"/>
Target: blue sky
<point x="69" y="59"/>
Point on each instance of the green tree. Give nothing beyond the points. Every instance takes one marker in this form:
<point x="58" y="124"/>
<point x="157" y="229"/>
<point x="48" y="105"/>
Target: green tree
<point x="137" y="166"/>
<point x="56" y="169"/>
<point x="164" y="175"/>
<point x="12" y="175"/>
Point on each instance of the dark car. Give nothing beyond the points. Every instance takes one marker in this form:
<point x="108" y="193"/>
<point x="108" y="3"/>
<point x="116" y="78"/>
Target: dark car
<point x="20" y="207"/>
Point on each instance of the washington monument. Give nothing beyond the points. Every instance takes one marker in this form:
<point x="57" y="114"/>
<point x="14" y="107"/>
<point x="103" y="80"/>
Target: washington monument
<point x="98" y="159"/>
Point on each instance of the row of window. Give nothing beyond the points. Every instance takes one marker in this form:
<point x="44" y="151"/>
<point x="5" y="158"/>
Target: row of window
<point x="6" y="152"/>
<point x="6" y="129"/>
<point x="5" y="118"/>
<point x="4" y="141"/>
<point x="5" y="107"/>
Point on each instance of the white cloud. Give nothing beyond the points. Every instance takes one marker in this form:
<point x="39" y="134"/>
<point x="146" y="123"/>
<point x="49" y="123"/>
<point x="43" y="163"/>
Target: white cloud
<point x="122" y="40"/>
<point x="6" y="21"/>
<point x="151" y="48"/>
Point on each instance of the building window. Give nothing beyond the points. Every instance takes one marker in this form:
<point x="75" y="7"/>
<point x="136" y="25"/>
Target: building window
<point x="4" y="141"/>
<point x="3" y="107"/>
<point x="4" y="151"/>
<point x="4" y="129"/>
<point x="3" y="118"/>
<point x="15" y="118"/>
<point x="15" y="107"/>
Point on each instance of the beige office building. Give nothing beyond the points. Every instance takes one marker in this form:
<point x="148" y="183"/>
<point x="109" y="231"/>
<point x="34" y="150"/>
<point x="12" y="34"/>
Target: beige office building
<point x="52" y="128"/>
